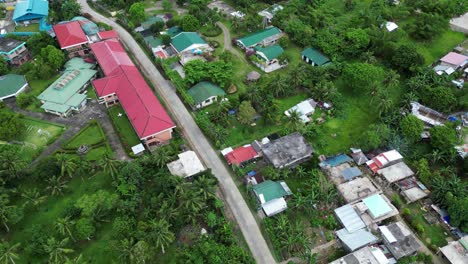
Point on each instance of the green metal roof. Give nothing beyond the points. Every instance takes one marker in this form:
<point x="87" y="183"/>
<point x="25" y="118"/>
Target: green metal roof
<point x="173" y="31"/>
<point x="204" y="90"/>
<point x="153" y="42"/>
<point x="150" y="21"/>
<point x="63" y="93"/>
<point x="257" y="37"/>
<point x="185" y="40"/>
<point x="315" y="56"/>
<point x="271" y="52"/>
<point x="270" y="190"/>
<point x="88" y="26"/>
<point x="11" y="84"/>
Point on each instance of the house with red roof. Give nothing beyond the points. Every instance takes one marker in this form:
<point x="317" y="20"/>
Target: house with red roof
<point x="384" y="160"/>
<point x="124" y="84"/>
<point x="109" y="34"/>
<point x="72" y="38"/>
<point x="240" y="156"/>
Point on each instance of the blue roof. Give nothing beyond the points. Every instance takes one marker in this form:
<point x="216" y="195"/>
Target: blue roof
<point x="30" y="9"/>
<point x="377" y="205"/>
<point x="349" y="218"/>
<point x="351" y="173"/>
<point x="336" y="160"/>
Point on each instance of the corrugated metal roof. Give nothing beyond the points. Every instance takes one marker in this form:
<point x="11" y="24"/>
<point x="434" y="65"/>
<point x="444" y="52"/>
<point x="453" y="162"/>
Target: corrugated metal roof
<point x="349" y="218"/>
<point x="357" y="239"/>
<point x="257" y="37"/>
<point x="351" y="173"/>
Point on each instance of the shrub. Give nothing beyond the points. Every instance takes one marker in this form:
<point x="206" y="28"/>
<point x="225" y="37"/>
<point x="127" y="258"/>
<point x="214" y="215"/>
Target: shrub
<point x="23" y="100"/>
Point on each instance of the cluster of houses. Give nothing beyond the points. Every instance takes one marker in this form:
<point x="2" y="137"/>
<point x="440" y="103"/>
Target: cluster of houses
<point x="281" y="153"/>
<point x="360" y="180"/>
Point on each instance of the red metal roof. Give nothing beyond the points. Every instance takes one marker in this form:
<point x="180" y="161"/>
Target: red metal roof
<point x="70" y="34"/>
<point x="108" y="34"/>
<point x="160" y="54"/>
<point x="240" y="155"/>
<point x="145" y="112"/>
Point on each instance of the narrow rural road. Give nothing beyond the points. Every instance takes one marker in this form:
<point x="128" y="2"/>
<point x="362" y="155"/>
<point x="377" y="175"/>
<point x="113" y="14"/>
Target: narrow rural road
<point x="235" y="201"/>
<point x="228" y="42"/>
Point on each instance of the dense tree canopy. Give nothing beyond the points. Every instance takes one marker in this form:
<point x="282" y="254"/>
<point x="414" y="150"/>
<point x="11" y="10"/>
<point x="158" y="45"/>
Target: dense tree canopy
<point x="10" y="126"/>
<point x="411" y="128"/>
<point x="137" y="13"/>
<point x="443" y="138"/>
<point x="190" y="23"/>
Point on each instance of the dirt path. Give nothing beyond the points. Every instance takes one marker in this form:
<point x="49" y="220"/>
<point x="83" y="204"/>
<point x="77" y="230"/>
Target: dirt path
<point x="228" y="43"/>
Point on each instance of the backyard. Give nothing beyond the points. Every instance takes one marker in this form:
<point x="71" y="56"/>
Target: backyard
<point x="29" y="28"/>
<point x="37" y="87"/>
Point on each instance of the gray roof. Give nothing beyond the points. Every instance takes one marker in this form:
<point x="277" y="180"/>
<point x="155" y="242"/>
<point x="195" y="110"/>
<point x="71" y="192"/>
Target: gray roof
<point x="349" y="218"/>
<point x="351" y="173"/>
<point x="359" y="158"/>
<point x="405" y="244"/>
<point x="287" y="151"/>
<point x="357" y="239"/>
<point x="396" y="172"/>
<point x="8" y="44"/>
<point x="367" y="255"/>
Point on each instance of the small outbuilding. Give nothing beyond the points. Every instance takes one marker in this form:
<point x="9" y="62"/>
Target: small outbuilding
<point x="314" y="57"/>
<point x="454" y="60"/>
<point x="357" y="189"/>
<point x="187" y="165"/>
<point x="355" y="240"/>
<point x="11" y="85"/>
<point x="205" y="94"/>
<point x="253" y="76"/>
<point x="456" y="252"/>
<point x="396" y="172"/>
<point x="271" y="196"/>
<point x="399" y="240"/>
<point x="287" y="151"/>
<point x="240" y="156"/>
<point x="367" y="255"/>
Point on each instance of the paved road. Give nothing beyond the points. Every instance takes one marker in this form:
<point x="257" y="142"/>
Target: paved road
<point x="228" y="42"/>
<point x="235" y="201"/>
<point x="74" y="124"/>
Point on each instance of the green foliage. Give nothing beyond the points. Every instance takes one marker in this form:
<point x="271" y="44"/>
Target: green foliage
<point x="246" y="113"/>
<point x="357" y="76"/>
<point x="357" y="40"/>
<point x="218" y="72"/>
<point x="299" y="32"/>
<point x="458" y="210"/>
<point x="411" y="127"/>
<point x="39" y="41"/>
<point x="440" y="98"/>
<point x="407" y="58"/>
<point x="190" y="23"/>
<point x="3" y="67"/>
<point x="70" y="9"/>
<point x="85" y="228"/>
<point x="377" y="135"/>
<point x="53" y="57"/>
<point x="443" y="138"/>
<point x="10" y="126"/>
<point x="166" y="5"/>
<point x="207" y="250"/>
<point x="136" y="13"/>
<point x="427" y="26"/>
<point x="23" y="100"/>
<point x="157" y="27"/>
<point x="96" y="205"/>
<point x="166" y="39"/>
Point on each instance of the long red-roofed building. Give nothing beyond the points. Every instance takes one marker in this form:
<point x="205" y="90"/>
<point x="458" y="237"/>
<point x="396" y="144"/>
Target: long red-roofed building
<point x="125" y="84"/>
<point x="71" y="38"/>
<point x="241" y="155"/>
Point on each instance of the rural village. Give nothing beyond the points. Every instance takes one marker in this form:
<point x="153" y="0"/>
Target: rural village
<point x="236" y="131"/>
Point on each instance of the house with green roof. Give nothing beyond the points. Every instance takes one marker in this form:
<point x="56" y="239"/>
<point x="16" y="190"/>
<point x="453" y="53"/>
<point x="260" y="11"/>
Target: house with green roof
<point x="314" y="57"/>
<point x="173" y="31"/>
<point x="268" y="58"/>
<point x="205" y="93"/>
<point x="265" y="37"/>
<point x="11" y="85"/>
<point x="156" y="46"/>
<point x="271" y="196"/>
<point x="189" y="46"/>
<point x="145" y="25"/>
<point x="68" y="92"/>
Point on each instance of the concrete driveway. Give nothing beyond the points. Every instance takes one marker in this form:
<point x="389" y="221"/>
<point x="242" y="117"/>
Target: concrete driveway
<point x="199" y="142"/>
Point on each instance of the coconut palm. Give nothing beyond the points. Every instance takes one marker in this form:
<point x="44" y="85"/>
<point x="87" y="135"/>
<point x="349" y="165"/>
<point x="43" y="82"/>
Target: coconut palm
<point x="294" y="120"/>
<point x="76" y="260"/>
<point x="141" y="252"/>
<point x="300" y="172"/>
<point x="124" y="249"/>
<point x="161" y="157"/>
<point x="8" y="253"/>
<point x="57" y="250"/>
<point x="206" y="187"/>
<point x="279" y="86"/>
<point x="12" y="164"/>
<point x="254" y="94"/>
<point x="67" y="165"/>
<point x="55" y="185"/>
<point x="109" y="166"/>
<point x="159" y="234"/>
<point x="64" y="226"/>
<point x="33" y="197"/>
<point x="297" y="75"/>
<point x="392" y="79"/>
<point x="7" y="212"/>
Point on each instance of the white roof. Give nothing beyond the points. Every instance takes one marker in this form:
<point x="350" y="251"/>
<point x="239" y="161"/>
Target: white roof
<point x="387" y="234"/>
<point x="391" y="26"/>
<point x="414" y="194"/>
<point x="226" y="151"/>
<point x="274" y="206"/>
<point x="455" y="251"/>
<point x="138" y="149"/>
<point x="396" y="172"/>
<point x="304" y="108"/>
<point x="238" y="14"/>
<point x="187" y="165"/>
<point x="379" y="255"/>
<point x="349" y="218"/>
<point x="393" y="155"/>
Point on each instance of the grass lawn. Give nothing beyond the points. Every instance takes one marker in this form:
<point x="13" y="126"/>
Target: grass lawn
<point x="89" y="136"/>
<point x="38" y="86"/>
<point x="30" y="28"/>
<point x="37" y="135"/>
<point x="123" y="126"/>
<point x="48" y="212"/>
<point x="440" y="46"/>
<point x="433" y="234"/>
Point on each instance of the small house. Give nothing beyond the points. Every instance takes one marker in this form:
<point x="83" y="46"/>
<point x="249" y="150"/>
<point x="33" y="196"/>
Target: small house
<point x="399" y="240"/>
<point x="109" y="34"/>
<point x="384" y="160"/>
<point x="145" y="25"/>
<point x="456" y="252"/>
<point x="367" y="255"/>
<point x="30" y="11"/>
<point x="374" y="209"/>
<point x="270" y="12"/>
<point x="269" y="54"/>
<point x="189" y="46"/>
<point x="396" y="172"/>
<point x="357" y="189"/>
<point x="314" y="57"/>
<point x="287" y="151"/>
<point x="11" y="85"/>
<point x="271" y="196"/>
<point x="72" y="38"/>
<point x="454" y="60"/>
<point x="187" y="165"/>
<point x="14" y="51"/>
<point x="304" y="109"/>
<point x="265" y="37"/>
<point x="240" y="156"/>
<point x="205" y="94"/>
<point x="429" y="116"/>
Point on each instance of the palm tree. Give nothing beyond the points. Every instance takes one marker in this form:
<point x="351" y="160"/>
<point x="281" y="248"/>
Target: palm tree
<point x="64" y="226"/>
<point x="33" y="197"/>
<point x="296" y="75"/>
<point x="206" y="186"/>
<point x="8" y="253"/>
<point x="279" y="86"/>
<point x="294" y="120"/>
<point x="141" y="252"/>
<point x="254" y="94"/>
<point x="55" y="185"/>
<point x="392" y="79"/>
<point x="300" y="172"/>
<point x="57" y="250"/>
<point x="12" y="164"/>
<point x="8" y="213"/>
<point x="161" y="157"/>
<point x="124" y="248"/>
<point x="76" y="260"/>
<point x="159" y="234"/>
<point x="67" y="165"/>
<point x="108" y="165"/>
